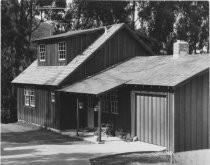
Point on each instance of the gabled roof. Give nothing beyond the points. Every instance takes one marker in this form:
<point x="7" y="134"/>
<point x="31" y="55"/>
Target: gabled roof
<point x="149" y="70"/>
<point x="54" y="75"/>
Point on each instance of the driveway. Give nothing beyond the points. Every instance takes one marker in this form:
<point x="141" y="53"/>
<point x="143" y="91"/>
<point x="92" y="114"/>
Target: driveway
<point x="24" y="144"/>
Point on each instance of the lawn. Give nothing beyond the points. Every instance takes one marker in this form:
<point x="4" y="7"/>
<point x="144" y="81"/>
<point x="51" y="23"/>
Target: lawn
<point x="27" y="134"/>
<point x="151" y="158"/>
<point x="23" y="144"/>
<point x="196" y="157"/>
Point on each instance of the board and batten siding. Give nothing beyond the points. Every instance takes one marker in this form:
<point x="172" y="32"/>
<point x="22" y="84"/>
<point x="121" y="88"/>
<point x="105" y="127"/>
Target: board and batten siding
<point x="117" y="49"/>
<point x="192" y="114"/>
<point x="44" y="113"/>
<point x="74" y="46"/>
<point x="152" y="117"/>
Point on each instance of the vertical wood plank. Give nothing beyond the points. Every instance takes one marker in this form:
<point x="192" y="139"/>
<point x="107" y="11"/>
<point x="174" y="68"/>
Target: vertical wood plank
<point x="187" y="117"/>
<point x="133" y="115"/>
<point x="205" y="112"/>
<point x="193" y="114"/>
<point x="199" y="112"/>
<point x="149" y="118"/>
<point x="182" y="118"/>
<point x="138" y="116"/>
<point x="154" y="120"/>
<point x="142" y="125"/>
<point x="158" y="120"/>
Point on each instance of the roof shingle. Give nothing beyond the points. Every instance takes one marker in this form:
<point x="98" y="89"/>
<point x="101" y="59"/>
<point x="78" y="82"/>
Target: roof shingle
<point x="54" y="75"/>
<point x="149" y="70"/>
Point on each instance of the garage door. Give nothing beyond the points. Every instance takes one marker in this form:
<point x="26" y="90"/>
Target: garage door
<point x="152" y="118"/>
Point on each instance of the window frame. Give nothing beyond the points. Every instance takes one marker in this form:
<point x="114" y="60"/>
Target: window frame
<point x="60" y="51"/>
<point x="42" y="53"/>
<point x="52" y="96"/>
<point x="114" y="102"/>
<point x="29" y="97"/>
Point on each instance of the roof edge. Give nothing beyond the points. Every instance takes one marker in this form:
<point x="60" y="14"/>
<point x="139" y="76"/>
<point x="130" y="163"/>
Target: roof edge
<point x="54" y="37"/>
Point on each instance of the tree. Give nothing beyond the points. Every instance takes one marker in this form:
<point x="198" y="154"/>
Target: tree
<point x="193" y="24"/>
<point x="157" y="21"/>
<point x="84" y="14"/>
<point x="18" y="24"/>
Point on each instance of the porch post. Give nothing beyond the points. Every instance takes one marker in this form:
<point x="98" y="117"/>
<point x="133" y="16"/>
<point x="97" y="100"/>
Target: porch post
<point x="99" y="120"/>
<point x="77" y="117"/>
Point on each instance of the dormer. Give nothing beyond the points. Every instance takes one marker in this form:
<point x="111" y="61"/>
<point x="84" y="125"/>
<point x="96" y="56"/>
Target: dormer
<point x="62" y="48"/>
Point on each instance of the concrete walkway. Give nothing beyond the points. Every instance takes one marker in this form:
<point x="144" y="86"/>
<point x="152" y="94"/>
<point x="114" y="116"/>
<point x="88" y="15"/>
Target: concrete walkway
<point x="21" y="153"/>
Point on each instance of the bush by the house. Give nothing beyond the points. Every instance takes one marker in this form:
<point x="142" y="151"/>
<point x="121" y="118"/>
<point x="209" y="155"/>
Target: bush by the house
<point x="5" y="116"/>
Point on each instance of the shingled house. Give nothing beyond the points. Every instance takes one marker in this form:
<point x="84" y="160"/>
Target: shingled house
<point x="108" y="75"/>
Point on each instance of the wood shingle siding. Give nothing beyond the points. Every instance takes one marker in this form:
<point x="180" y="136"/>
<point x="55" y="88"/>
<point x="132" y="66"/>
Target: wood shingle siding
<point x="44" y="113"/>
<point x="191" y="114"/>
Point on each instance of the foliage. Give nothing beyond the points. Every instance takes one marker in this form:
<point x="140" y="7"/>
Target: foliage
<point x="167" y="21"/>
<point x="5" y="116"/>
<point x="84" y="14"/>
<point x="157" y="20"/>
<point x="193" y="24"/>
<point x="18" y="24"/>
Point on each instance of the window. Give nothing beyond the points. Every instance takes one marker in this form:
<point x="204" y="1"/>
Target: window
<point x="114" y="102"/>
<point x="110" y="102"/>
<point x="62" y="50"/>
<point x="53" y="97"/>
<point x="42" y="52"/>
<point x="29" y="97"/>
<point x="105" y="101"/>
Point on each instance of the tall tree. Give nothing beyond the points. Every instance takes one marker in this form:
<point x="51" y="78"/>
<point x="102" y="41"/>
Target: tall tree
<point x="18" y="24"/>
<point x="83" y="14"/>
<point x="157" y="20"/>
<point x="193" y="24"/>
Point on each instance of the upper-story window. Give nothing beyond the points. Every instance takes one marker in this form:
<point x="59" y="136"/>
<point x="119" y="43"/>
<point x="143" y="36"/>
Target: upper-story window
<point x="62" y="50"/>
<point x="42" y="52"/>
<point x="29" y="97"/>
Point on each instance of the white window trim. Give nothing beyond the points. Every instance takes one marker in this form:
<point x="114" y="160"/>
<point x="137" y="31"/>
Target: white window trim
<point x="29" y="93"/>
<point x="61" y="59"/>
<point x="42" y="52"/>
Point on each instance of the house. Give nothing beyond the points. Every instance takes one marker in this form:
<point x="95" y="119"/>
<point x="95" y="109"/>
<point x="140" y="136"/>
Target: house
<point x="108" y="75"/>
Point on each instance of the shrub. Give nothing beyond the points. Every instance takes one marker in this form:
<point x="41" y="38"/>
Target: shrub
<point x="5" y="116"/>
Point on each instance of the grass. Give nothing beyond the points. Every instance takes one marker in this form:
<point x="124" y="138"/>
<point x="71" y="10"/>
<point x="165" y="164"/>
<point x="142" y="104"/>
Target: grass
<point x="153" y="158"/>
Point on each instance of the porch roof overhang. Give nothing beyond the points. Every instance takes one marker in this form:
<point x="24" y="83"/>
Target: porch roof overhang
<point x="94" y="86"/>
<point x="150" y="70"/>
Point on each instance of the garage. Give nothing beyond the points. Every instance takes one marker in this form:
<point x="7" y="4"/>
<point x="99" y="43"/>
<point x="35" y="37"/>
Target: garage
<point x="152" y="118"/>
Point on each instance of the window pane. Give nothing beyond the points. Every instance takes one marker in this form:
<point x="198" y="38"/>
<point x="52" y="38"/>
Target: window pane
<point x="32" y="101"/>
<point x="27" y="100"/>
<point x="52" y="96"/>
<point x="42" y="52"/>
<point x="62" y="50"/>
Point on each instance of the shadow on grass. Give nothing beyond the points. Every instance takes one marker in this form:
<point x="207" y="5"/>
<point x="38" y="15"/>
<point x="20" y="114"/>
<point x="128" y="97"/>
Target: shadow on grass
<point x="137" y="158"/>
<point x="38" y="136"/>
<point x="51" y="159"/>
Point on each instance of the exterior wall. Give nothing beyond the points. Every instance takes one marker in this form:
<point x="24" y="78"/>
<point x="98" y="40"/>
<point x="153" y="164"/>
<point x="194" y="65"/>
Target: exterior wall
<point x="192" y="114"/>
<point x="117" y="49"/>
<point x="44" y="113"/>
<point x="74" y="46"/>
<point x="158" y="129"/>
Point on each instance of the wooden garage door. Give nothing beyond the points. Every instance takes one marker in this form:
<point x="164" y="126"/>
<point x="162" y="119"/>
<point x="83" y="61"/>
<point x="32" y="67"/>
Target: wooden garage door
<point x="152" y="118"/>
